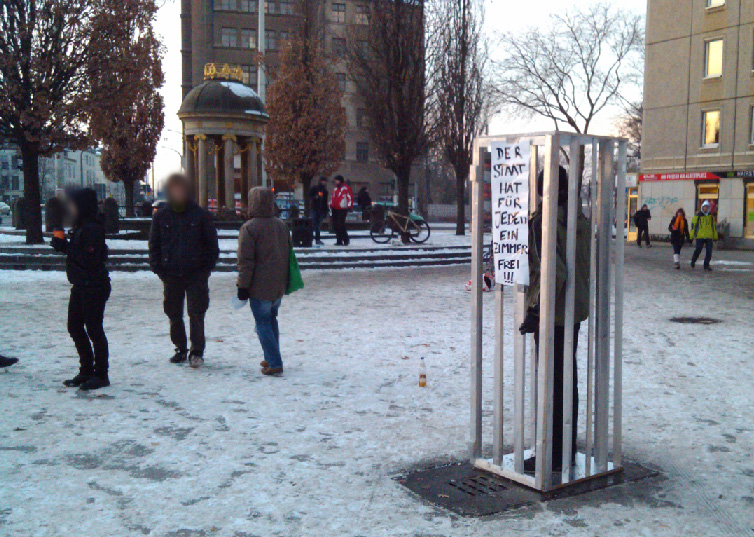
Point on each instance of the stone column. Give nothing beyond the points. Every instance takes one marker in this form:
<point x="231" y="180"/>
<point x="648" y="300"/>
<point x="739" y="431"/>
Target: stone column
<point x="230" y="173"/>
<point x="201" y="156"/>
<point x="245" y="171"/>
<point x="189" y="155"/>
<point x="220" y="174"/>
<point x="260" y="175"/>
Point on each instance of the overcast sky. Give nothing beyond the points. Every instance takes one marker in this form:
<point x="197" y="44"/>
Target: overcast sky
<point x="501" y="15"/>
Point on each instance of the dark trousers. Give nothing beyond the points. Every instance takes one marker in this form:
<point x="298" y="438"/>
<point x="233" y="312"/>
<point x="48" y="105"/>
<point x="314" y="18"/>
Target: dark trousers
<point x="677" y="246"/>
<point x="707" y="245"/>
<point x="195" y="290"/>
<point x="86" y="312"/>
<point x="317" y="218"/>
<point x="557" y="400"/>
<point x="339" y="225"/>
<point x="642" y="230"/>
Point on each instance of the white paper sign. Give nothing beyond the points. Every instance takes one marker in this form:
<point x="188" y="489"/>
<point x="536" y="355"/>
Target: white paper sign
<point x="510" y="212"/>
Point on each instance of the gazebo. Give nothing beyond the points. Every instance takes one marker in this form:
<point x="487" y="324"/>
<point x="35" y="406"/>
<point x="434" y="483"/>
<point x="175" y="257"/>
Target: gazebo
<point x="223" y="117"/>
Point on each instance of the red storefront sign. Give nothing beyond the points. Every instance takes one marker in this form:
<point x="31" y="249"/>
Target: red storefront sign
<point x="686" y="176"/>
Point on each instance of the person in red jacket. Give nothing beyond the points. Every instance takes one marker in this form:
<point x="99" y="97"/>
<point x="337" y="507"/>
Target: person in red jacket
<point x="340" y="203"/>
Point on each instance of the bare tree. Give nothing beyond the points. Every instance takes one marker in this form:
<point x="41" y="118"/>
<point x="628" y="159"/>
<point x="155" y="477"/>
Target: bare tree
<point x="458" y="56"/>
<point x="386" y="59"/>
<point x="629" y="125"/>
<point x="571" y="69"/>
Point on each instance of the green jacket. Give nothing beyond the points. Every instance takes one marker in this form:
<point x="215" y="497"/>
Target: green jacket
<point x="583" y="253"/>
<point x="703" y="226"/>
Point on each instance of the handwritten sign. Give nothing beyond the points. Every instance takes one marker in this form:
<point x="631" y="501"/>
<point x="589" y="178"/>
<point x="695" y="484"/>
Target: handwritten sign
<point x="510" y="212"/>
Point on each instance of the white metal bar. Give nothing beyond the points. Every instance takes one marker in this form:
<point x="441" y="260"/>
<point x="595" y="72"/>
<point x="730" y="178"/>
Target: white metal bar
<point x="497" y="408"/>
<point x="568" y="343"/>
<point x="504" y="472"/>
<point x="519" y="378"/>
<point x="618" y="345"/>
<point x="602" y="361"/>
<point x="543" y="473"/>
<point x="594" y="218"/>
<point x="533" y="204"/>
<point x="477" y="264"/>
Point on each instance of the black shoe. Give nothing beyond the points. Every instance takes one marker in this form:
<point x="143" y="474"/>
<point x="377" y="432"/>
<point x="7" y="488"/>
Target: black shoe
<point x="77" y="381"/>
<point x="693" y="264"/>
<point x="196" y="360"/>
<point x="179" y="357"/>
<point x="707" y="268"/>
<point x="639" y="245"/>
<point x="95" y="383"/>
<point x="649" y="245"/>
<point x="7" y="362"/>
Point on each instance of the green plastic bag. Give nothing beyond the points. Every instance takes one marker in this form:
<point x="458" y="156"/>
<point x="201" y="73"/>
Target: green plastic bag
<point x="295" y="280"/>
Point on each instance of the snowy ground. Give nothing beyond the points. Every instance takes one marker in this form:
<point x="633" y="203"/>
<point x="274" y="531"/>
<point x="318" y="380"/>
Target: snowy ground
<point x="167" y="451"/>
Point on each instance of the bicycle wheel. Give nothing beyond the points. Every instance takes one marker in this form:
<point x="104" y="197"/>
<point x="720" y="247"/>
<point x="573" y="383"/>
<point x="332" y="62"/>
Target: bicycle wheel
<point x="418" y="231"/>
<point x="381" y="232"/>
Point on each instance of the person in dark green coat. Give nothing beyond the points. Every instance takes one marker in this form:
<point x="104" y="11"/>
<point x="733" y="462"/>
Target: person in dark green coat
<point x="581" y="306"/>
<point x="704" y="230"/>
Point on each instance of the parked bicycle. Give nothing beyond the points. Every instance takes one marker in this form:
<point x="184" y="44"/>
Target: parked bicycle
<point x="387" y="225"/>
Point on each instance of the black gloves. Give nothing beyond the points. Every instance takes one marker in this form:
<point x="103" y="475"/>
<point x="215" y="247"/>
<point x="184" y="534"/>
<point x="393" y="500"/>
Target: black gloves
<point x="243" y="294"/>
<point x="531" y="322"/>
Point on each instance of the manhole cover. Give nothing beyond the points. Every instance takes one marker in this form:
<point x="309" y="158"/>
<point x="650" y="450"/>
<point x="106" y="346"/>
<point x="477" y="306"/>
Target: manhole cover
<point x="695" y="320"/>
<point x="478" y="485"/>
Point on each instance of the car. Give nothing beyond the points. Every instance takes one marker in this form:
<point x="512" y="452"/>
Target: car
<point x="4" y="208"/>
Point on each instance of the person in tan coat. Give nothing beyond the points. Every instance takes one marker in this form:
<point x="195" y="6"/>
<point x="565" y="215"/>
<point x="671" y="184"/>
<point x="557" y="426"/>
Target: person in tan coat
<point x="264" y="247"/>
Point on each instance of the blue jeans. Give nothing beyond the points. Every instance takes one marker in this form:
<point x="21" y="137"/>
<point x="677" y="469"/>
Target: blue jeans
<point x="266" y="317"/>
<point x="705" y="244"/>
<point x="317" y="218"/>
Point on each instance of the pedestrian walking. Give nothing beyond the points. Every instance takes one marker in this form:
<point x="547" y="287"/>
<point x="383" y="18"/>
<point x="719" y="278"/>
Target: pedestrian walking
<point x="641" y="219"/>
<point x="264" y="249"/>
<point x="86" y="257"/>
<point x="581" y="308"/>
<point x="183" y="251"/>
<point x="341" y="203"/>
<point x="704" y="230"/>
<point x="679" y="234"/>
<point x="365" y="202"/>
<point x="319" y="208"/>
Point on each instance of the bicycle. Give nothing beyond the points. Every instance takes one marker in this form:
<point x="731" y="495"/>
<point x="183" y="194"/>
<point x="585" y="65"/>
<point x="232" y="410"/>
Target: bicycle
<point x="387" y="224"/>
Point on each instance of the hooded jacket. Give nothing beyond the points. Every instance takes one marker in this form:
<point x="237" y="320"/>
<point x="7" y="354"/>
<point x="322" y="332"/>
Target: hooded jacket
<point x="264" y="247"/>
<point x="85" y="247"/>
<point x="703" y="226"/>
<point x="342" y="197"/>
<point x="183" y="243"/>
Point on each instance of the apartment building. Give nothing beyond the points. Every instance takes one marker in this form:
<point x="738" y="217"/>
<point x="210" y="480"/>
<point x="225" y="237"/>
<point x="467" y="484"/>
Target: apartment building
<point x="698" y="139"/>
<point x="225" y="31"/>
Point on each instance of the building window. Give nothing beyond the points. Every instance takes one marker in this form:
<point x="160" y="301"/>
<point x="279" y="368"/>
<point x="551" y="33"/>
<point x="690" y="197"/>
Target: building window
<point x="270" y="41"/>
<point x="362" y="14"/>
<point x="713" y="58"/>
<point x="247" y="6"/>
<point x="361" y="118"/>
<point x="339" y="47"/>
<point x="249" y="39"/>
<point x="284" y="37"/>
<point x="227" y="5"/>
<point x="339" y="13"/>
<point x="250" y="76"/>
<point x="285" y="8"/>
<point x="270" y="7"/>
<point x="341" y="81"/>
<point x="362" y="151"/>
<point x="711" y="128"/>
<point x="715" y="3"/>
<point x="229" y="37"/>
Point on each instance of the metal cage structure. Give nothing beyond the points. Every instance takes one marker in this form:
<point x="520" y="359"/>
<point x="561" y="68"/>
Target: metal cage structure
<point x="603" y="197"/>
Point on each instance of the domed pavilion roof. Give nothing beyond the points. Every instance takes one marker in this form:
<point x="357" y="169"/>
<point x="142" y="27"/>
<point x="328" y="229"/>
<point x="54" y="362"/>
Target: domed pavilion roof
<point x="223" y="97"/>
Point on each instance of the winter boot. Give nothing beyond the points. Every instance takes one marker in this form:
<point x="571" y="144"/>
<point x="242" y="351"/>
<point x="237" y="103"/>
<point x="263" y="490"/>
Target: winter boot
<point x="179" y="357"/>
<point x="95" y="383"/>
<point x="7" y="362"/>
<point x="196" y="360"/>
<point x="272" y="371"/>
<point x="677" y="265"/>
<point x="77" y="381"/>
<point x="707" y="268"/>
<point x="677" y="261"/>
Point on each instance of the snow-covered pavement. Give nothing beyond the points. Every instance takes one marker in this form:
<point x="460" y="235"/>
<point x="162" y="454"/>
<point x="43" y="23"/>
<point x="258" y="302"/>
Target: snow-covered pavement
<point x="167" y="451"/>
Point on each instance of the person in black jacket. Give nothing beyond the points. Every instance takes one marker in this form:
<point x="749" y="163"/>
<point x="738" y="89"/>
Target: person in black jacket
<point x="86" y="255"/>
<point x="319" y="208"/>
<point x="641" y="219"/>
<point x="365" y="202"/>
<point x="183" y="250"/>
<point x="679" y="234"/>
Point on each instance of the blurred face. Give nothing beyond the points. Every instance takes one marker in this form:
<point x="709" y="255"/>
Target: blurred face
<point x="323" y="182"/>
<point x="177" y="193"/>
<point x="338" y="183"/>
<point x="73" y="210"/>
<point x="644" y="207"/>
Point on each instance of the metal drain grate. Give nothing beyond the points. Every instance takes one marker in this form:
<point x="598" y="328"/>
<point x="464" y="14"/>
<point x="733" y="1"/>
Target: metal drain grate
<point x="479" y="485"/>
<point x="695" y="320"/>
